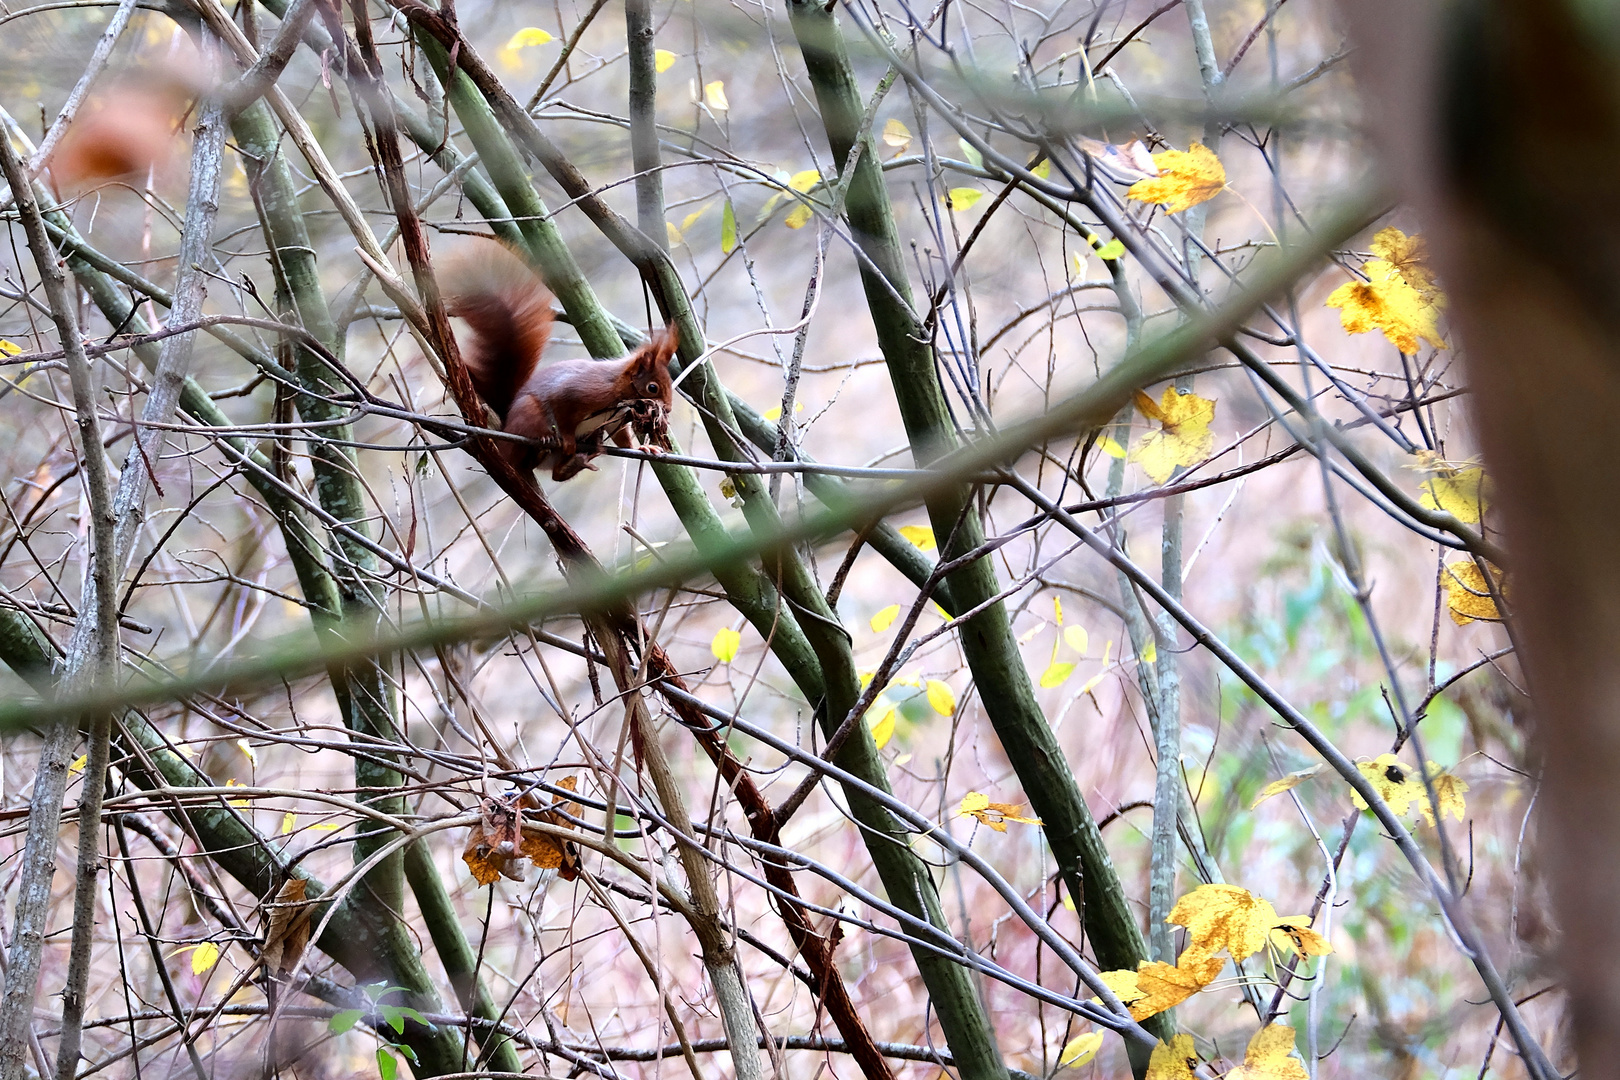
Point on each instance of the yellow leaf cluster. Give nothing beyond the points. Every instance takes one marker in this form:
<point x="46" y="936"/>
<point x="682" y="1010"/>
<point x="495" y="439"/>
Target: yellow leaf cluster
<point x="1218" y="918"/>
<point x="1186" y="179"/>
<point x="1468" y="596"/>
<point x="1182" y="437"/>
<point x="1399" y="296"/>
<point x="976" y="804"/>
<point x="1269" y="1056"/>
<point x="1462" y="493"/>
<point x="1403" y="789"/>
<point x="1393" y="781"/>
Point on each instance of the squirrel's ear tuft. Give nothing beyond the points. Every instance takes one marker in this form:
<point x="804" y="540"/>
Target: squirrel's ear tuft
<point x="659" y="348"/>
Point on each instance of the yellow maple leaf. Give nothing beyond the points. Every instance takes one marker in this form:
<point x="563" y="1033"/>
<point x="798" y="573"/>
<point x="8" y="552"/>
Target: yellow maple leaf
<point x="1287" y="783"/>
<point x="1224" y="917"/>
<point x="1398" y="785"/>
<point x="1080" y="1049"/>
<point x="715" y="94"/>
<point x="941" y="698"/>
<point x="1182" y="437"/>
<point x="663" y="60"/>
<point x="1468" y="597"/>
<point x="1269" y="1057"/>
<point x="1293" y="933"/>
<point x="885" y="618"/>
<point x="1408" y="257"/>
<point x="1399" y="296"/>
<point x="1448" y="788"/>
<point x="963" y="198"/>
<point x="1164" y="986"/>
<point x="1186" y="178"/>
<point x="1174" y="1060"/>
<point x="1463" y="493"/>
<point x="976" y="804"/>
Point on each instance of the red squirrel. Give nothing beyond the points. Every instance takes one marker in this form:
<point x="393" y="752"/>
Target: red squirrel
<point x="569" y="406"/>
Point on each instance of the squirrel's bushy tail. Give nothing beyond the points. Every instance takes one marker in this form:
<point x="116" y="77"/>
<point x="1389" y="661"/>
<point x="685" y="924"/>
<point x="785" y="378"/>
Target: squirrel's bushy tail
<point x="508" y="309"/>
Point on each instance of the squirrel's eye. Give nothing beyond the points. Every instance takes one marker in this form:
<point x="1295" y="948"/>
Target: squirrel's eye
<point x="652" y="388"/>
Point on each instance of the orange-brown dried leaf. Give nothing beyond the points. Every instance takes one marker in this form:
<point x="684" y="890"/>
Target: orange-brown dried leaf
<point x="286" y="932"/>
<point x="494" y="843"/>
<point x="546" y="850"/>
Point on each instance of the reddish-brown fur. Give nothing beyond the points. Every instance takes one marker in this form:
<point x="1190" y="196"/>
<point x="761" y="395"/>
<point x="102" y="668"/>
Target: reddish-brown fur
<point x="569" y="405"/>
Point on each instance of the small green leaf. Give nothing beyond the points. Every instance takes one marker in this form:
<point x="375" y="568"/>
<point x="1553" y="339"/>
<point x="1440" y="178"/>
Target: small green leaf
<point x="344" y="1021"/>
<point x="1111" y="250"/>
<point x="972" y="154"/>
<point x="962" y="198"/>
<point x="728" y="229"/>
<point x="387" y="1064"/>
<point x="395" y="1016"/>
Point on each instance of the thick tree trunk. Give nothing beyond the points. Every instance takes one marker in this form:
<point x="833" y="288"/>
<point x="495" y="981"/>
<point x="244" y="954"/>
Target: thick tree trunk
<point x="1503" y="119"/>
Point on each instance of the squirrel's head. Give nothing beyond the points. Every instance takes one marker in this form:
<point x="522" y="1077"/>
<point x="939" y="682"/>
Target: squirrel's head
<point x="649" y="367"/>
